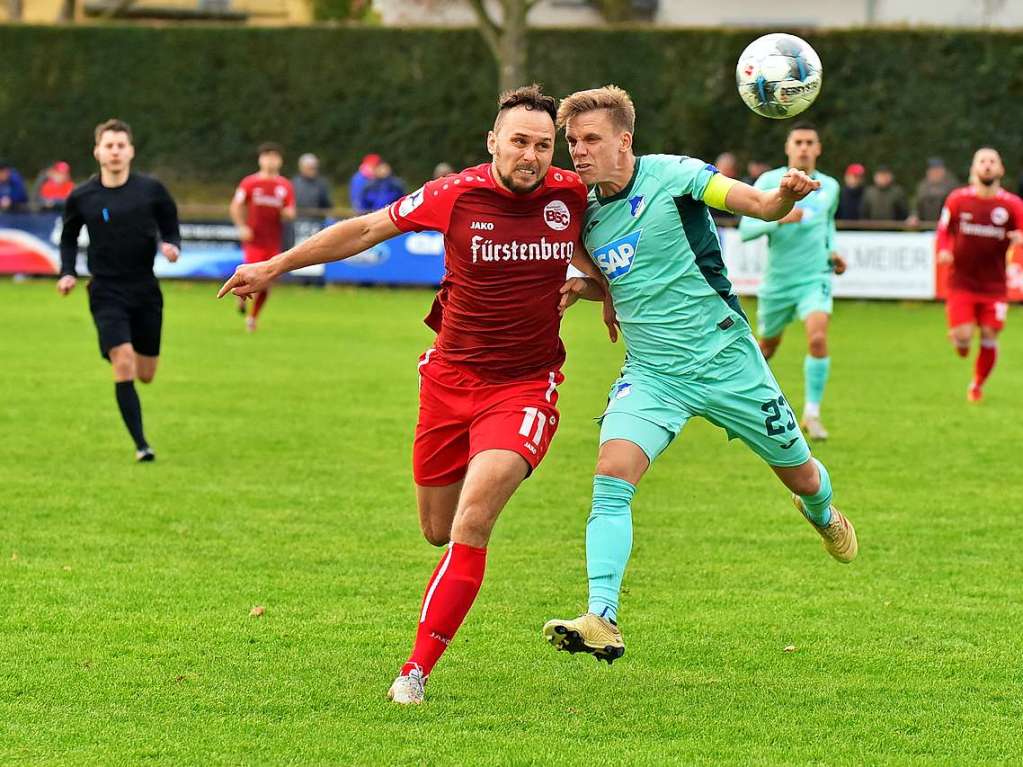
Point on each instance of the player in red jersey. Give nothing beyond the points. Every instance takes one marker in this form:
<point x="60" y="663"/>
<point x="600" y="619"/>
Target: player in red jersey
<point x="261" y="205"/>
<point x="978" y="225"/>
<point x="488" y="387"/>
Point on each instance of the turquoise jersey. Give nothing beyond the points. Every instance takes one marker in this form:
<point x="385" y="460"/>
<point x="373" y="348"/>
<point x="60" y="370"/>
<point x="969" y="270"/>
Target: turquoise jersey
<point x="800" y="253"/>
<point x="657" y="245"/>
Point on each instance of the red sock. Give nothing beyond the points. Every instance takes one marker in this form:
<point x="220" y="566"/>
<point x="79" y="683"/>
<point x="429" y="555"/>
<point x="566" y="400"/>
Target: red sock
<point x="257" y="305"/>
<point x="449" y="595"/>
<point x="985" y="362"/>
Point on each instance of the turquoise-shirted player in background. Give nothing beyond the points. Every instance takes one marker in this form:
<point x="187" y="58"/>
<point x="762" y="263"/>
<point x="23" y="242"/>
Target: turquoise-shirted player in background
<point x="801" y="259"/>
<point x="690" y="349"/>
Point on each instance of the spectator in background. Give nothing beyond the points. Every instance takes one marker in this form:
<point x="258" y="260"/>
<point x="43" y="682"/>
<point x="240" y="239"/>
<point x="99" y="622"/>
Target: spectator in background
<point x="384" y="189"/>
<point x="754" y="170"/>
<point x="359" y="181"/>
<point x="442" y="169"/>
<point x="53" y="187"/>
<point x="12" y="189"/>
<point x="884" y="200"/>
<point x="932" y="190"/>
<point x="850" y="198"/>
<point x="311" y="189"/>
<point x="727" y="165"/>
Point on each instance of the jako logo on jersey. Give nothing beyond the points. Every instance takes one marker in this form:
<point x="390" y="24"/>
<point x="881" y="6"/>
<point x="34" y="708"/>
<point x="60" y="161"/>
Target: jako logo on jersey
<point x="485" y="225"/>
<point x="615" y="258"/>
<point x="637" y="203"/>
<point x="999" y="216"/>
<point x="556" y="215"/>
<point x="411" y="202"/>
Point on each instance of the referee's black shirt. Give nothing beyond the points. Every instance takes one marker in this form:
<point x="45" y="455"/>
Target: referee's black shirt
<point x="124" y="224"/>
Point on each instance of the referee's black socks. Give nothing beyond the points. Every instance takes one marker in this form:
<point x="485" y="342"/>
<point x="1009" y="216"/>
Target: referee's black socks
<point x="131" y="411"/>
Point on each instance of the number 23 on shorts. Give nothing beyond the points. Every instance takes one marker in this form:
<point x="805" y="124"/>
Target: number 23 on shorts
<point x="777" y="410"/>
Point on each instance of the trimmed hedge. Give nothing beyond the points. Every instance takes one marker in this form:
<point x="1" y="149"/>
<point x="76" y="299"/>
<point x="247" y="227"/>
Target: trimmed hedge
<point x="201" y="98"/>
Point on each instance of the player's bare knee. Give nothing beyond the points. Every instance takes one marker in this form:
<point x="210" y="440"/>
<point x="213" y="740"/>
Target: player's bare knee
<point x="435" y="535"/>
<point x="768" y="346"/>
<point x="818" y="345"/>
<point x="625" y="467"/>
<point x="804" y="479"/>
<point x="473" y="525"/>
<point x="124" y="369"/>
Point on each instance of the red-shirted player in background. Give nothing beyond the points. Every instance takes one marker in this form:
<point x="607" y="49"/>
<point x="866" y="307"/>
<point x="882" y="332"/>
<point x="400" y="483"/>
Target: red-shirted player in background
<point x="978" y="225"/>
<point x="488" y="388"/>
<point x="261" y="205"/>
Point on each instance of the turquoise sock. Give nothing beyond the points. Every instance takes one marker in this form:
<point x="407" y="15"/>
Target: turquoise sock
<point x="818" y="505"/>
<point x="608" y="542"/>
<point x="815" y="377"/>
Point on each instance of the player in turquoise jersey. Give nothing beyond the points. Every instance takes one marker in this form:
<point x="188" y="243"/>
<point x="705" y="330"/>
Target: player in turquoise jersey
<point x="690" y="349"/>
<point x="801" y="258"/>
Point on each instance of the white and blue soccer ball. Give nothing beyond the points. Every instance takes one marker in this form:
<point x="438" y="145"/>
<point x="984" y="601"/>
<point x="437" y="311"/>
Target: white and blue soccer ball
<point x="778" y="75"/>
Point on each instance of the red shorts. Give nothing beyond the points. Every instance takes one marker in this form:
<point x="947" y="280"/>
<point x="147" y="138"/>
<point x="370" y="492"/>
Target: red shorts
<point x="253" y="254"/>
<point x="461" y="415"/>
<point x="964" y="307"/>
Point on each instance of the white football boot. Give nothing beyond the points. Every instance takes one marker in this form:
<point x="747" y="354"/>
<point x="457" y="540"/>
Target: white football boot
<point x="409" y="689"/>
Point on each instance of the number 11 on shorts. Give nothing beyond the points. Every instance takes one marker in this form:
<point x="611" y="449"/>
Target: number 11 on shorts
<point x="532" y="416"/>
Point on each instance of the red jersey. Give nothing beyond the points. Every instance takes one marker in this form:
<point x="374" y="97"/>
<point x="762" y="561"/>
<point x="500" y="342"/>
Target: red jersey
<point x="266" y="198"/>
<point x="505" y="257"/>
<point x="53" y="191"/>
<point x="975" y="229"/>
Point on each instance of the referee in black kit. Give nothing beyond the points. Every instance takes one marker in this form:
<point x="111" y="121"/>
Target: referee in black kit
<point x="127" y="215"/>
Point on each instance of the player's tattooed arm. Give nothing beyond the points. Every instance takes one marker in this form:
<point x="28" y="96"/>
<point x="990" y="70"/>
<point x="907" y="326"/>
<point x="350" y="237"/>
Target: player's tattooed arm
<point x="771" y="204"/>
<point x="335" y="243"/>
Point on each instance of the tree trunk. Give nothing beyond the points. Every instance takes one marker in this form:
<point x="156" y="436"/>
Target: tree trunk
<point x="507" y="41"/>
<point x="512" y="54"/>
<point x="67" y="11"/>
<point x="14" y="8"/>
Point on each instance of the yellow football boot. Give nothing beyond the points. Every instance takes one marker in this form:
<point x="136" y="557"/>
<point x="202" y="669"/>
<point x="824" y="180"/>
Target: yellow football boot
<point x="839" y="535"/>
<point x="588" y="633"/>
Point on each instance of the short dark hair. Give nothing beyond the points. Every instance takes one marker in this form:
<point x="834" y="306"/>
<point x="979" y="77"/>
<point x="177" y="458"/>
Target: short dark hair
<point x="804" y="125"/>
<point x="115" y="125"/>
<point x="531" y="97"/>
<point x="270" y="146"/>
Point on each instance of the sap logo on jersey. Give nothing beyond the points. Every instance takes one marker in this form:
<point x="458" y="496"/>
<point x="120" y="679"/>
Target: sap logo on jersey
<point x="557" y="216"/>
<point x="411" y="202"/>
<point x="616" y="258"/>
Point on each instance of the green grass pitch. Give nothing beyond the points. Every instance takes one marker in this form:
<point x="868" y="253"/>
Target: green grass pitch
<point x="284" y="481"/>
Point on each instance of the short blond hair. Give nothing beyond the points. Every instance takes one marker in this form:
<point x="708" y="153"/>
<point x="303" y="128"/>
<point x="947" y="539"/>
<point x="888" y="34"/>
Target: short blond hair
<point x="615" y="100"/>
<point x="115" y="125"/>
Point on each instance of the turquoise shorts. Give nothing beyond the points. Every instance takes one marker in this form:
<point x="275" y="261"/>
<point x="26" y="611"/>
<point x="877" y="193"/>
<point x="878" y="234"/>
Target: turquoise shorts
<point x="774" y="313"/>
<point x="735" y="390"/>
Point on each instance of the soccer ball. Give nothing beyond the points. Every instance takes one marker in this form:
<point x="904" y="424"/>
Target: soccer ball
<point x="778" y="75"/>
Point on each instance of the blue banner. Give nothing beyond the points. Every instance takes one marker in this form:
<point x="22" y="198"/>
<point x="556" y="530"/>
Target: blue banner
<point x="416" y="258"/>
<point x="30" y="244"/>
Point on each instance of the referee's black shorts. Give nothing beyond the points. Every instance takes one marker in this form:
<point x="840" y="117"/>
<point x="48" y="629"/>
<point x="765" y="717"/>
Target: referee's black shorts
<point x="127" y="311"/>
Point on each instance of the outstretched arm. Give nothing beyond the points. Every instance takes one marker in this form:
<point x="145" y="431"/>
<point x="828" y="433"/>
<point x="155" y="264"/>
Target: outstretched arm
<point x="770" y="204"/>
<point x="335" y="243"/>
